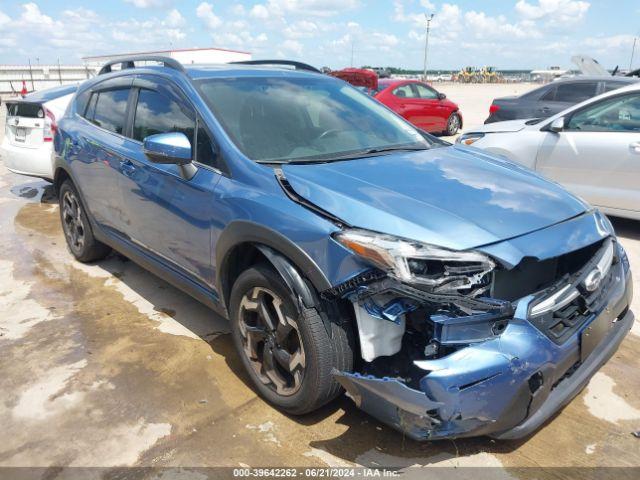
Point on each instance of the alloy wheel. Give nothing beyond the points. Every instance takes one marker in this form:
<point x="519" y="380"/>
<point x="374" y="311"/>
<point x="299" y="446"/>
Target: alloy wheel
<point x="72" y="223"/>
<point x="454" y="124"/>
<point x="271" y="341"/>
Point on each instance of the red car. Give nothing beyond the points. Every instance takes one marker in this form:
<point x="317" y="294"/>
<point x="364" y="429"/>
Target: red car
<point x="421" y="104"/>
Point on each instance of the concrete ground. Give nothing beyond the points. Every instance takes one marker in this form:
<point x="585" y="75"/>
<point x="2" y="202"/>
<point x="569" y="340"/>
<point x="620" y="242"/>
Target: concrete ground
<point x="108" y="365"/>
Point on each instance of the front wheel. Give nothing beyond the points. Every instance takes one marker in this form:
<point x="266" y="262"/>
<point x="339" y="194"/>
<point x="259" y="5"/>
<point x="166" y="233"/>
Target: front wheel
<point x="453" y="124"/>
<point x="284" y="347"/>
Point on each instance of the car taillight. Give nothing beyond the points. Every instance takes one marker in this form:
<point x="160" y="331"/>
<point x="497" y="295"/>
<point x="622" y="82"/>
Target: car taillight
<point x="494" y="108"/>
<point x="50" y="125"/>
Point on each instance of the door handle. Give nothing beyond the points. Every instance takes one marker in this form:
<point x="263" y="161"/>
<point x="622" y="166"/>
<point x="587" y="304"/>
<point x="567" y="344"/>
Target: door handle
<point x="635" y="147"/>
<point x="127" y="167"/>
<point x="545" y="109"/>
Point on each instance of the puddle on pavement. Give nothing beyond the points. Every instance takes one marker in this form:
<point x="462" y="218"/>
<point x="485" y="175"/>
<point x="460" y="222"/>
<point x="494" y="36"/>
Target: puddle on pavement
<point x="37" y="191"/>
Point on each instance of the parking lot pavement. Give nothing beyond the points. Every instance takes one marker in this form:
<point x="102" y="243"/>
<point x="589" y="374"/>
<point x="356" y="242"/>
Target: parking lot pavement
<point x="106" y="364"/>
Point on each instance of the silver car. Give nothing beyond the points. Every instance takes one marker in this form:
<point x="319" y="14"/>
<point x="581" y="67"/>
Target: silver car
<point x="592" y="148"/>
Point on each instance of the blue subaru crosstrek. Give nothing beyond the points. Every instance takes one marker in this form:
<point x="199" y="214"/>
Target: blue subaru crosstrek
<point x="449" y="292"/>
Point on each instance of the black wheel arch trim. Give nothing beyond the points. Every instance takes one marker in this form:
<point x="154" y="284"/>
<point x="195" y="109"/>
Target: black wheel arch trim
<point x="291" y="262"/>
<point x="290" y="275"/>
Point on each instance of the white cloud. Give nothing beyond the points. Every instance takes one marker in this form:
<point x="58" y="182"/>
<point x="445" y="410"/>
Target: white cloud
<point x="301" y="29"/>
<point x="259" y="11"/>
<point x="554" y="12"/>
<point x="175" y="19"/>
<point x="292" y="46"/>
<point x="316" y="8"/>
<point x="238" y="10"/>
<point x="205" y="13"/>
<point x="147" y="3"/>
<point x="31" y="14"/>
<point x="4" y="19"/>
<point x="605" y="43"/>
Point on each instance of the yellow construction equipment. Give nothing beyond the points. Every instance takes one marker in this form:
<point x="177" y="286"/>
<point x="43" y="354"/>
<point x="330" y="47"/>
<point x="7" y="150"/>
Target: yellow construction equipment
<point x="467" y="75"/>
<point x="489" y="75"/>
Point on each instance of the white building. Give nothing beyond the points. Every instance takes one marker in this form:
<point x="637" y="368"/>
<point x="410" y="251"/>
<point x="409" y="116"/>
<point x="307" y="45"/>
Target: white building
<point x="186" y="56"/>
<point x="39" y="77"/>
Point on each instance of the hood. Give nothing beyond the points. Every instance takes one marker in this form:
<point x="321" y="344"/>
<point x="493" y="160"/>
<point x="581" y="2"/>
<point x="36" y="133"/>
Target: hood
<point x="502" y="127"/>
<point x="450" y="196"/>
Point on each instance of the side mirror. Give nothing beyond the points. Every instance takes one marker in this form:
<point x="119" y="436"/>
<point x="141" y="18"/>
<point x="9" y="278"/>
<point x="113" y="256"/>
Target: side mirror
<point x="441" y="96"/>
<point x="557" y="125"/>
<point x="168" y="148"/>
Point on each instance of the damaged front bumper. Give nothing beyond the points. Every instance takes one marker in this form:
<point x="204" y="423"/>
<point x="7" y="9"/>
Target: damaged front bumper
<point x="505" y="387"/>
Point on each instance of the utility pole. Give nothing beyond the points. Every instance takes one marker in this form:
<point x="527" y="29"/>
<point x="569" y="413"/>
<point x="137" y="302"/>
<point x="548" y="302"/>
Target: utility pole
<point x="426" y="44"/>
<point x="633" y="51"/>
<point x="59" y="71"/>
<point x="31" y="75"/>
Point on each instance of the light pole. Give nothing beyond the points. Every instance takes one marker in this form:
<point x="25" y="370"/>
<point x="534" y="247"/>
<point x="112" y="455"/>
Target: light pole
<point x="426" y="44"/>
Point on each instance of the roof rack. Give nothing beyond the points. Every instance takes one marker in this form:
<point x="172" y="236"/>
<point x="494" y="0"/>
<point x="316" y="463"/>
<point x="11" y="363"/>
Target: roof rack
<point x="289" y="63"/>
<point x="129" y="62"/>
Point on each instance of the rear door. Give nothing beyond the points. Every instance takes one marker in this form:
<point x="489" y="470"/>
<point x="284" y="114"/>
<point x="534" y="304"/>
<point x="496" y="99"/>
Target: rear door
<point x="565" y="95"/>
<point x="597" y="156"/>
<point x="99" y="144"/>
<point x="168" y="215"/>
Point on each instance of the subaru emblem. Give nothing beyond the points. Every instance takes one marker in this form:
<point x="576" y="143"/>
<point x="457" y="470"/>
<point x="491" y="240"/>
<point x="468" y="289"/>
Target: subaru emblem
<point x="592" y="282"/>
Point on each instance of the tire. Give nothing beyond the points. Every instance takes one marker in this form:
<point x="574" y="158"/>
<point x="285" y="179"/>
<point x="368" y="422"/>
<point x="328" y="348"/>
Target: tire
<point x="76" y="226"/>
<point x="453" y="124"/>
<point x="307" y="382"/>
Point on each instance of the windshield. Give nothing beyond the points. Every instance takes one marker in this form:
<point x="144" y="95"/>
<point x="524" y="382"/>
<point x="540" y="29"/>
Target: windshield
<point x="305" y="119"/>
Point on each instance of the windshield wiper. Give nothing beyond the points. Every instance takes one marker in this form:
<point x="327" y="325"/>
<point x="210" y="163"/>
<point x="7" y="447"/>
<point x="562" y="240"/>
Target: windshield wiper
<point x="369" y="152"/>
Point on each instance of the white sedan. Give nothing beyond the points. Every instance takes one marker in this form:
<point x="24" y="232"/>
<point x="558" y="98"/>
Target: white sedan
<point x="29" y="129"/>
<point x="592" y="148"/>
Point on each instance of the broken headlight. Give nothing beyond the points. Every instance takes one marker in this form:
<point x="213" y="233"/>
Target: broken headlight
<point x="442" y="270"/>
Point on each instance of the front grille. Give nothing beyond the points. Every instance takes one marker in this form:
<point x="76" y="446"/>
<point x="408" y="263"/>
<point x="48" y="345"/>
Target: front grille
<point x="568" y="319"/>
<point x="562" y="323"/>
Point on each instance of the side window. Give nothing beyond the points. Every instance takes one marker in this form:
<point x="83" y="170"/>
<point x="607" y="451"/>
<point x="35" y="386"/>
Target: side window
<point x="91" y="108"/>
<point x="157" y="113"/>
<point x="404" y="91"/>
<point x="425" y="92"/>
<point x="549" y="95"/>
<point x="618" y="114"/>
<point x="110" y="109"/>
<point x="608" y="86"/>
<point x="575" y="92"/>
<point x="205" y="151"/>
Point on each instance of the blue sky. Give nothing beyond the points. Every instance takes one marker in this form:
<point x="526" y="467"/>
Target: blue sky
<point x="503" y="33"/>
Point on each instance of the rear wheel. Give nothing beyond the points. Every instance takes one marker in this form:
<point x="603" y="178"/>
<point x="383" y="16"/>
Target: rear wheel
<point x="453" y="124"/>
<point x="284" y="347"/>
<point x="76" y="226"/>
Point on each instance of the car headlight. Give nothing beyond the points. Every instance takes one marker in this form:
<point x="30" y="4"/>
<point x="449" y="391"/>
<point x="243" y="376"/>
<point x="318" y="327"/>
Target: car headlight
<point x="469" y="138"/>
<point x="444" y="270"/>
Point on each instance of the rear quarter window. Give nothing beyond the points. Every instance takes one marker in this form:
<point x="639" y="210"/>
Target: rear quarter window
<point x="608" y="86"/>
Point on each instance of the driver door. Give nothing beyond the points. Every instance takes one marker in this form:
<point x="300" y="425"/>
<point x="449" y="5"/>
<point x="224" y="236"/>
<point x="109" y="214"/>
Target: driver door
<point x="597" y="154"/>
<point x="434" y="109"/>
<point x="170" y="216"/>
